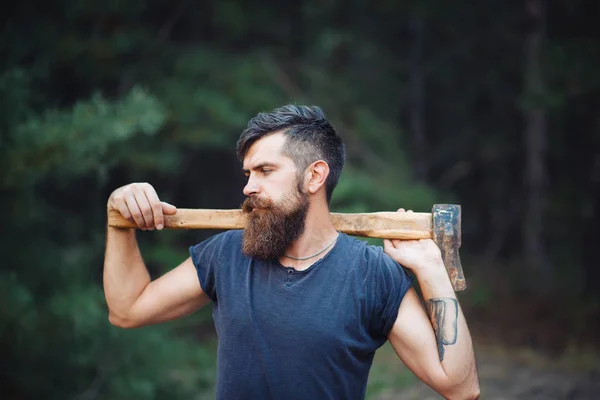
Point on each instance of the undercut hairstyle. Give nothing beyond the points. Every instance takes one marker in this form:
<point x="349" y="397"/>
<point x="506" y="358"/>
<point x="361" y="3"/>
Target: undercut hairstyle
<point x="309" y="138"/>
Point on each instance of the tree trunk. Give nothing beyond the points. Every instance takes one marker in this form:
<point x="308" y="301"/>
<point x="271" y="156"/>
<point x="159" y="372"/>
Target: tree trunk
<point x="416" y="110"/>
<point x="590" y="241"/>
<point x="535" y="143"/>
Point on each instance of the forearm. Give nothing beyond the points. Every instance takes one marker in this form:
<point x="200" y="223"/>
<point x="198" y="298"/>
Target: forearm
<point x="125" y="274"/>
<point x="454" y="344"/>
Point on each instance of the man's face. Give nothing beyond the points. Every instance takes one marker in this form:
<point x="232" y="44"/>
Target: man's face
<point x="277" y="205"/>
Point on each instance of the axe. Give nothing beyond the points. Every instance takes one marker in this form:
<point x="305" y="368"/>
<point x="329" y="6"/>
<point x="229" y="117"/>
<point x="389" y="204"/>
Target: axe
<point x="442" y="225"/>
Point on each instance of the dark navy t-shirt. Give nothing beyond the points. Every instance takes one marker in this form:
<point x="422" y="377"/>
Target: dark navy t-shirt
<point x="287" y="334"/>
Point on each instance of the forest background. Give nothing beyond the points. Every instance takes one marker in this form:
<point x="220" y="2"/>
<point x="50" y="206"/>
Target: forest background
<point x="491" y="105"/>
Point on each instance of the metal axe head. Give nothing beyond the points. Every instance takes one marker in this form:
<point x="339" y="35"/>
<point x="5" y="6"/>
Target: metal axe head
<point x="447" y="235"/>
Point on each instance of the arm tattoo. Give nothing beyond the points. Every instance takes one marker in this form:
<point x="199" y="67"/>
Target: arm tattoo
<point x="443" y="313"/>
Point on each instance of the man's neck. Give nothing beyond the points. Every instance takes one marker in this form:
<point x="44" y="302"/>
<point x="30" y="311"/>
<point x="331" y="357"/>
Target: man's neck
<point x="318" y="233"/>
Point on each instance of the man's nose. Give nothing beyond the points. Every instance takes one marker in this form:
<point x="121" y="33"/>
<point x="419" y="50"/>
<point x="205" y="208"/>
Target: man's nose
<point x="251" y="187"/>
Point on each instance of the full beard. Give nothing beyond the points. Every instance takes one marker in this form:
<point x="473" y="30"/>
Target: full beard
<point x="272" y="226"/>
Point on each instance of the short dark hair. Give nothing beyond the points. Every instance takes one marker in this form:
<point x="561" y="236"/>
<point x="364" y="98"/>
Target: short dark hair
<point x="309" y="138"/>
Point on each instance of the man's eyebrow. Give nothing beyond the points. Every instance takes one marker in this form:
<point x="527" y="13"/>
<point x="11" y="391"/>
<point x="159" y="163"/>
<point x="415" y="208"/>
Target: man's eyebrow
<point x="261" y="165"/>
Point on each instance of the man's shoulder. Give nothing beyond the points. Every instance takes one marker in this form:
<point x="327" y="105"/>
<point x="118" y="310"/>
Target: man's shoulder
<point x="231" y="236"/>
<point x="366" y="255"/>
<point x="224" y="242"/>
<point x="356" y="247"/>
<point x="225" y="237"/>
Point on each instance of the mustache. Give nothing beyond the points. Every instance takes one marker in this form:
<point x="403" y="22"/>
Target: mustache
<point x="253" y="202"/>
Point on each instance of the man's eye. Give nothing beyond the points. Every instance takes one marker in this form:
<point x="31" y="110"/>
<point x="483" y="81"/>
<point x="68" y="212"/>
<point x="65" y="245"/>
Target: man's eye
<point x="266" y="171"/>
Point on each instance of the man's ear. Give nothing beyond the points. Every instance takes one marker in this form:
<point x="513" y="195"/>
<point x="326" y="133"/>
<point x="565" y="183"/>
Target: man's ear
<point x="316" y="175"/>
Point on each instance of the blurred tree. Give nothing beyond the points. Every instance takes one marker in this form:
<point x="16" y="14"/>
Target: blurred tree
<point x="535" y="142"/>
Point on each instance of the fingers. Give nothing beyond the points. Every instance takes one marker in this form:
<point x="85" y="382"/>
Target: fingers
<point x="122" y="208"/>
<point x="403" y="210"/>
<point x="139" y="203"/>
<point x="145" y="209"/>
<point x="392" y="244"/>
<point x="156" y="207"/>
<point x="131" y="206"/>
<point x="168" y="209"/>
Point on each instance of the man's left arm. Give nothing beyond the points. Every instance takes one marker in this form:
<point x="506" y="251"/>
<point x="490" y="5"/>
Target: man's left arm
<point x="433" y="339"/>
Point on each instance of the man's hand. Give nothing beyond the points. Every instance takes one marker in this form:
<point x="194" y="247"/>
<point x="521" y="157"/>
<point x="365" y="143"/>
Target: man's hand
<point x="139" y="203"/>
<point x="419" y="256"/>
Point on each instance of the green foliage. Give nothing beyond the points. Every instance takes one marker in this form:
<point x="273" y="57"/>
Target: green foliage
<point x="369" y="191"/>
<point x="67" y="349"/>
<point x="55" y="333"/>
<point x="211" y="95"/>
<point x="14" y="90"/>
<point x="60" y="336"/>
<point x="78" y="141"/>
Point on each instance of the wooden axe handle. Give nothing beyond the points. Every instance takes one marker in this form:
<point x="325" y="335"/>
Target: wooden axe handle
<point x="382" y="225"/>
<point x="388" y="225"/>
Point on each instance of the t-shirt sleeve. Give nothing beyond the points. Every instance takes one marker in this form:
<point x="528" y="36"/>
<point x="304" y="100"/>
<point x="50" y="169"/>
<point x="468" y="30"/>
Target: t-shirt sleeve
<point x="206" y="258"/>
<point x="391" y="282"/>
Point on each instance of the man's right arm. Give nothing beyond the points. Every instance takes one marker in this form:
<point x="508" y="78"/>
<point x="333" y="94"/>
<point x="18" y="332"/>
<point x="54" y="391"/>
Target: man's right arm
<point x="133" y="299"/>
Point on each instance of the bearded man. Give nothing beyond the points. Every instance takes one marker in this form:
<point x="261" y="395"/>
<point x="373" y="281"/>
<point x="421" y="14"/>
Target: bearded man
<point x="299" y="308"/>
